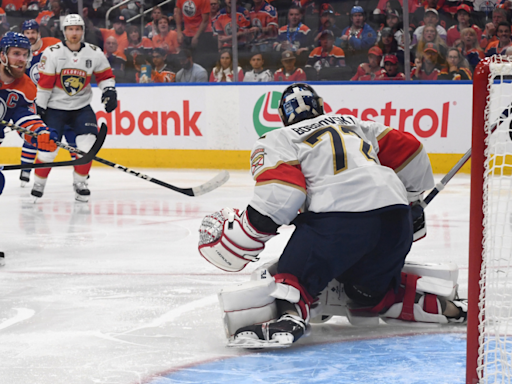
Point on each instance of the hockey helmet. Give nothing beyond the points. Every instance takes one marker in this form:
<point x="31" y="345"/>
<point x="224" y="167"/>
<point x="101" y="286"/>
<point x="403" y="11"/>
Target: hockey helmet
<point x="17" y="40"/>
<point x="29" y="24"/>
<point x="73" y="19"/>
<point x="300" y="102"/>
<point x="356" y="9"/>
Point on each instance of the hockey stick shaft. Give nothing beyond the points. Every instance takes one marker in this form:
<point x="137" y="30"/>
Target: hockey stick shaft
<point x="440" y="186"/>
<point x="210" y="185"/>
<point x="88" y="157"/>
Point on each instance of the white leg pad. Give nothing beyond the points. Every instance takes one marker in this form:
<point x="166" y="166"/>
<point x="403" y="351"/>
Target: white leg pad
<point x="247" y="303"/>
<point x="420" y="316"/>
<point x="85" y="142"/>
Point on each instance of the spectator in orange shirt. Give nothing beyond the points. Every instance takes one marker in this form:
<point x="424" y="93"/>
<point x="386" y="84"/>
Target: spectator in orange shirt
<point x="470" y="48"/>
<point x="214" y="10"/>
<point x="118" y="31"/>
<point x="161" y="73"/>
<point x="151" y="28"/>
<point x="372" y="69"/>
<point x="223" y="71"/>
<point x="136" y="43"/>
<point x="166" y="39"/>
<point x="195" y="31"/>
<point x="222" y="26"/>
<point x="263" y="26"/>
<point x="324" y="62"/>
<point x="289" y="72"/>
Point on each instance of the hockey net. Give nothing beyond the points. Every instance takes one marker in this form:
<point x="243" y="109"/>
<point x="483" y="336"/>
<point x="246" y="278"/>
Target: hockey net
<point x="489" y="350"/>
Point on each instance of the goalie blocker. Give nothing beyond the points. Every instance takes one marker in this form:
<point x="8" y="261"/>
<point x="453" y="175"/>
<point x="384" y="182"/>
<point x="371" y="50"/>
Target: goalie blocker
<point x="253" y="311"/>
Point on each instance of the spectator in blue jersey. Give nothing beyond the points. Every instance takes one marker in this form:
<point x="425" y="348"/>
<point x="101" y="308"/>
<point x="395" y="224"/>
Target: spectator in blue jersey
<point x="295" y="36"/>
<point x="357" y="39"/>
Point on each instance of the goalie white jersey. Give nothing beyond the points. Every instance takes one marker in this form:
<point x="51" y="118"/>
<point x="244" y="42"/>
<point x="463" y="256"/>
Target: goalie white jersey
<point x="331" y="164"/>
<point x="65" y="76"/>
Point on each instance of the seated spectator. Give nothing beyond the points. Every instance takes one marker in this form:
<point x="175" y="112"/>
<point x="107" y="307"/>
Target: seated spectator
<point x="391" y="71"/>
<point x="137" y="44"/>
<point x="116" y="59"/>
<point x="161" y="72"/>
<point x="151" y="28"/>
<point x="190" y="72"/>
<point x="457" y="68"/>
<point x="430" y="35"/>
<point x="428" y="67"/>
<point x="54" y="21"/>
<point x="395" y="25"/>
<point x="223" y="71"/>
<point x="470" y="48"/>
<point x="431" y="18"/>
<point x="222" y="26"/>
<point x="263" y="30"/>
<point x="141" y="70"/>
<point x="463" y="18"/>
<point x="372" y="69"/>
<point x="384" y="6"/>
<point x="324" y="61"/>
<point x="445" y="17"/>
<point x="358" y="38"/>
<point x="388" y="44"/>
<point x="489" y="34"/>
<point x="258" y="73"/>
<point x="214" y="10"/>
<point x="499" y="46"/>
<point x="118" y="31"/>
<point x="289" y="72"/>
<point x="327" y="22"/>
<point x="295" y="36"/>
<point x="166" y="39"/>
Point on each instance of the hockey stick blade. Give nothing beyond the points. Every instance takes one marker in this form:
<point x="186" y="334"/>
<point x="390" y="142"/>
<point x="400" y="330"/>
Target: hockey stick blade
<point x="88" y="157"/>
<point x="209" y="186"/>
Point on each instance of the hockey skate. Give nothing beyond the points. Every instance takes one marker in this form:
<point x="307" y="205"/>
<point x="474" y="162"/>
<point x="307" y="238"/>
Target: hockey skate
<point x="37" y="191"/>
<point x="82" y="191"/>
<point x="24" y="177"/>
<point x="462" y="316"/>
<point x="274" y="334"/>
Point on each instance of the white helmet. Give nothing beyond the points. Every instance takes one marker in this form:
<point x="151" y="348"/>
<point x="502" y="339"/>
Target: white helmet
<point x="73" y="19"/>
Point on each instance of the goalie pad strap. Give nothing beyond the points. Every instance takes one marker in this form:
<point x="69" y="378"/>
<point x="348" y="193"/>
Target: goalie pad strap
<point x="305" y="298"/>
<point x="409" y="295"/>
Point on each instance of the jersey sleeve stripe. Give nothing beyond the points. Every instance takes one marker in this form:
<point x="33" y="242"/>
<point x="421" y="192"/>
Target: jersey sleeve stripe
<point x="284" y="173"/>
<point x="384" y="133"/>
<point x="397" y="149"/>
<point x="293" y="162"/>
<point x="411" y="158"/>
<point x="104" y="75"/>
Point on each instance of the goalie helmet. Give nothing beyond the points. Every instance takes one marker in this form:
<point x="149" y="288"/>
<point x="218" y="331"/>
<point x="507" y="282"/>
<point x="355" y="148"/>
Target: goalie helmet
<point x="300" y="102"/>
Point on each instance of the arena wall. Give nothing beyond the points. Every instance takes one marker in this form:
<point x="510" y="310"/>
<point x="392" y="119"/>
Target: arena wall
<point x="215" y="126"/>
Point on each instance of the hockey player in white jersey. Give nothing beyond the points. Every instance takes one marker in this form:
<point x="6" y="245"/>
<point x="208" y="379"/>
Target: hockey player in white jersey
<point x="355" y="226"/>
<point x="64" y="94"/>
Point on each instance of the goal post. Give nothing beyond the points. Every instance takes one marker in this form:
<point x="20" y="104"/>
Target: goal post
<point x="489" y="329"/>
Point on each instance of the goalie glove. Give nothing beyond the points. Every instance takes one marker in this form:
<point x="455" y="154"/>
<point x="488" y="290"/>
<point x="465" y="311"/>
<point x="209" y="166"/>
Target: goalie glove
<point x="229" y="241"/>
<point x="109" y="99"/>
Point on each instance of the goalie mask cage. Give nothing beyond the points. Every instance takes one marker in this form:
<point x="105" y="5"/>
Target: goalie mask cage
<point x="489" y="339"/>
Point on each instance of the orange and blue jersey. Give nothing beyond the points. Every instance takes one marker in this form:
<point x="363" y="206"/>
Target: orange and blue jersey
<point x="33" y="71"/>
<point x="300" y="37"/>
<point x="320" y="58"/>
<point x="222" y="24"/>
<point x="262" y="18"/>
<point x="17" y="104"/>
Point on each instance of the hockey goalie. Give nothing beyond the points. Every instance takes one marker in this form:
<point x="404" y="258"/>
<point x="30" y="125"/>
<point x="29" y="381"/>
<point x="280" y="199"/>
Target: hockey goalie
<point x="358" y="186"/>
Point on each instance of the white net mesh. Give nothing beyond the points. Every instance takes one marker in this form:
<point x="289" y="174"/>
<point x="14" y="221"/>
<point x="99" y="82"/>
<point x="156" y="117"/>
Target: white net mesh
<point x="495" y="317"/>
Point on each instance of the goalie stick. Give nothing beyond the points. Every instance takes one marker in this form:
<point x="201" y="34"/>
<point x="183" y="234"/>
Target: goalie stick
<point x="209" y="186"/>
<point x="89" y="156"/>
<point x="440" y="186"/>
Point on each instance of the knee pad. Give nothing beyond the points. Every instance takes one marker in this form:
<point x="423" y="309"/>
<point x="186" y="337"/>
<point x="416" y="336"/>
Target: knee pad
<point x="85" y="142"/>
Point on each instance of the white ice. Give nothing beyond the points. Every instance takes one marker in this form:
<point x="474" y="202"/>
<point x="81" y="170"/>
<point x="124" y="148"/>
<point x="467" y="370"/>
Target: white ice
<point x="114" y="291"/>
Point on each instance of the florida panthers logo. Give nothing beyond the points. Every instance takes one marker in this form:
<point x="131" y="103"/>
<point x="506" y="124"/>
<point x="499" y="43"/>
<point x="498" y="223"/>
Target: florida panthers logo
<point x="73" y="80"/>
<point x="189" y="8"/>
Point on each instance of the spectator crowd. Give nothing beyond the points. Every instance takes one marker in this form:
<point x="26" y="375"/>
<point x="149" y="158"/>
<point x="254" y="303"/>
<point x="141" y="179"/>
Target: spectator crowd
<point x="280" y="40"/>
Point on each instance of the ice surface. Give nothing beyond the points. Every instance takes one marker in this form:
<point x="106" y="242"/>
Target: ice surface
<point x="114" y="291"/>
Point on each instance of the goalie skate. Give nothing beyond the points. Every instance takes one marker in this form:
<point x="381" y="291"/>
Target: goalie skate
<point x="279" y="334"/>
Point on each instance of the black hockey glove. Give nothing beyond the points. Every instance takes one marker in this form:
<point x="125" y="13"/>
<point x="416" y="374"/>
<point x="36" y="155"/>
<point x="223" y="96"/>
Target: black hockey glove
<point x="41" y="111"/>
<point x="109" y="99"/>
<point x="418" y="221"/>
